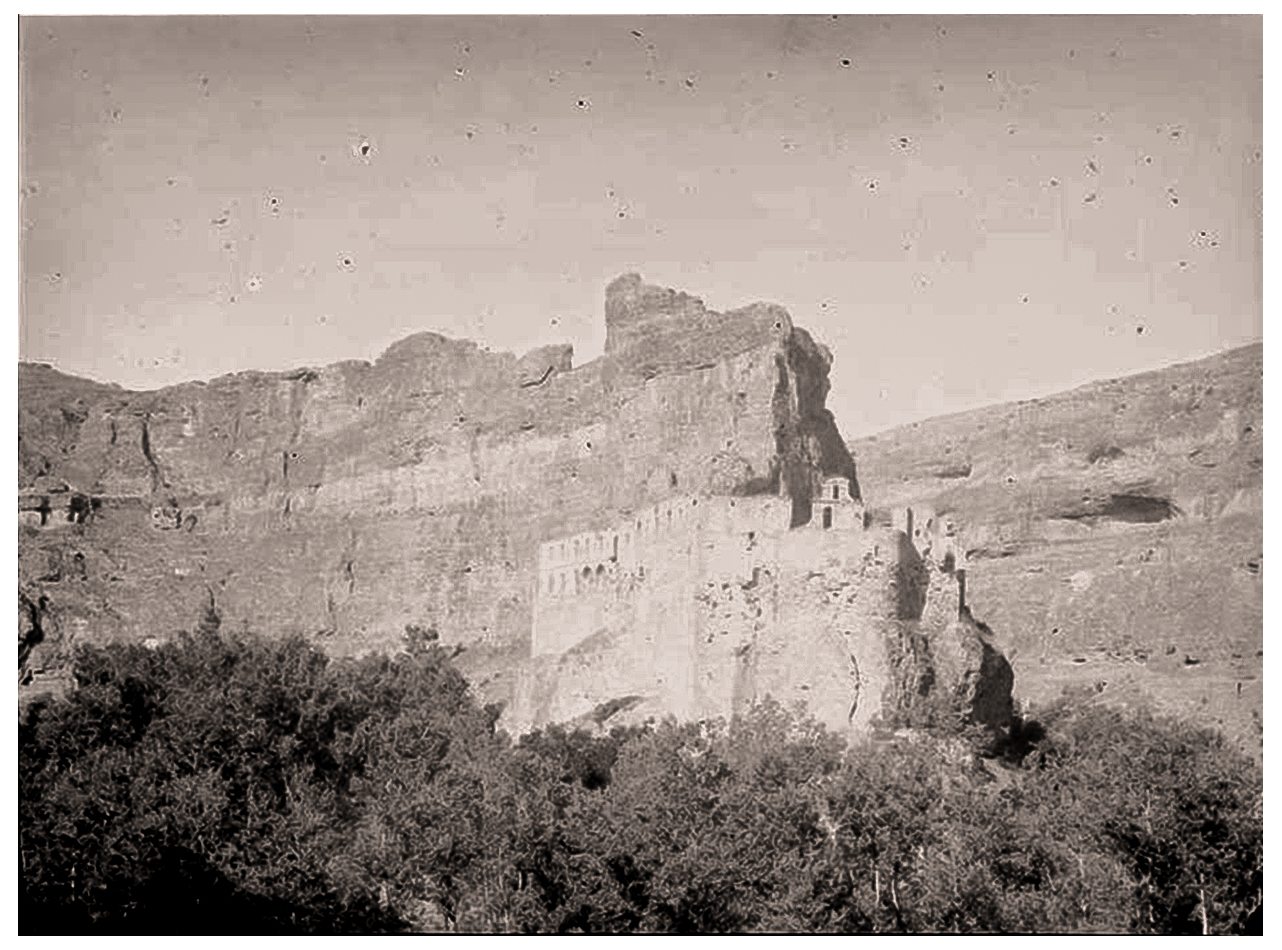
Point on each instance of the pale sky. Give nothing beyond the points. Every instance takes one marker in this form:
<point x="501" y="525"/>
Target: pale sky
<point x="964" y="209"/>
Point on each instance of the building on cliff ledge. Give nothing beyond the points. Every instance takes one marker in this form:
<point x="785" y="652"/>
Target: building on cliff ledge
<point x="704" y="603"/>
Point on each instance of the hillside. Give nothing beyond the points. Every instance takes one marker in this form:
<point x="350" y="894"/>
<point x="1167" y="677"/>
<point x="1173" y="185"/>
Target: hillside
<point x="1113" y="533"/>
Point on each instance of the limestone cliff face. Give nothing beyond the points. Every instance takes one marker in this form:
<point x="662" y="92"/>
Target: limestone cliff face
<point x="350" y="500"/>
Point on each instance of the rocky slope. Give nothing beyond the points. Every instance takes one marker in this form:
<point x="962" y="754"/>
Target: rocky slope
<point x="348" y="501"/>
<point x="1112" y="535"/>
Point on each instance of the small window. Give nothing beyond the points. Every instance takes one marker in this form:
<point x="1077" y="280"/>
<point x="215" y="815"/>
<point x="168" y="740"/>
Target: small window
<point x="835" y="490"/>
<point x="827" y="517"/>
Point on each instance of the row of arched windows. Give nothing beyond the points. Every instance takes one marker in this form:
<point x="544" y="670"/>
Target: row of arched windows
<point x="577" y="581"/>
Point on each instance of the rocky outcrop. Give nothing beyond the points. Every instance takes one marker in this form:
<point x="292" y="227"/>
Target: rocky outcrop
<point x="968" y="663"/>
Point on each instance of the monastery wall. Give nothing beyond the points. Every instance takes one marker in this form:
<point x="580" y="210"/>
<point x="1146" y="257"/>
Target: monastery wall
<point x="703" y="604"/>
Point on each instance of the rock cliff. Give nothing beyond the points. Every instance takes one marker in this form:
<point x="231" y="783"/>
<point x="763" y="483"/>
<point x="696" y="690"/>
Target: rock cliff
<point x="350" y="500"/>
<point x="1112" y="535"/>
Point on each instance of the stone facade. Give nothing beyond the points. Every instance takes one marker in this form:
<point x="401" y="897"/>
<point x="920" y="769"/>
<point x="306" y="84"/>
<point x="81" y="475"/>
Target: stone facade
<point x="704" y="603"/>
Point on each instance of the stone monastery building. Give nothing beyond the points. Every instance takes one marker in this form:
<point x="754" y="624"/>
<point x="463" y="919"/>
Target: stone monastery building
<point x="703" y="603"/>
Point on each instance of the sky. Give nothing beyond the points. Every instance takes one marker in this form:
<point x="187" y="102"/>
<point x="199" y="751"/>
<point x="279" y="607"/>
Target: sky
<point x="965" y="210"/>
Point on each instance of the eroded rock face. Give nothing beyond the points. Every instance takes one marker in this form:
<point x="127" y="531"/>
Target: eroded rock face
<point x="1107" y="533"/>
<point x="348" y="501"/>
<point x="967" y="662"/>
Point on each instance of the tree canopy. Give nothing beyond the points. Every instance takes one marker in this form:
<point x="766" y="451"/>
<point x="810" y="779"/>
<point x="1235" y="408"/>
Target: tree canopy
<point x="235" y="783"/>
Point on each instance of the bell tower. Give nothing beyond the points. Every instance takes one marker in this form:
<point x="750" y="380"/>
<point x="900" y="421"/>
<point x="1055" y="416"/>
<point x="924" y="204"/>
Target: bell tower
<point x="834" y="508"/>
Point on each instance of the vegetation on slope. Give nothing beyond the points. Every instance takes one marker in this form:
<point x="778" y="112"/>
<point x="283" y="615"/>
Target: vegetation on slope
<point x="241" y="784"/>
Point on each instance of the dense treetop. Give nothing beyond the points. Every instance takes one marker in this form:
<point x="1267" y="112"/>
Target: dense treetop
<point x="242" y="784"/>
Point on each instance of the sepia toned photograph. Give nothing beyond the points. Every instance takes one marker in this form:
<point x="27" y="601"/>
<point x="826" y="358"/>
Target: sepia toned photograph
<point x="640" y="474"/>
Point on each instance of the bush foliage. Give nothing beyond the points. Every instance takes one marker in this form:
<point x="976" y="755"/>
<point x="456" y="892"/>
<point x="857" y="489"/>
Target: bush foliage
<point x="227" y="784"/>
